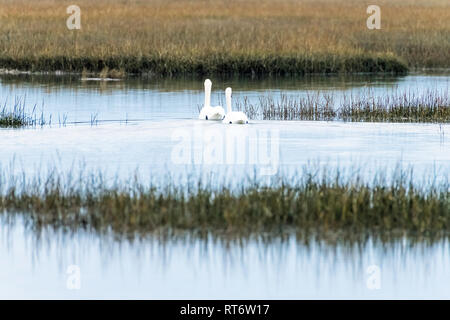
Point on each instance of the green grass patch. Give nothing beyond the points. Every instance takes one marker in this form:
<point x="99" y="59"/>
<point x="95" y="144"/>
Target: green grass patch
<point x="304" y="203"/>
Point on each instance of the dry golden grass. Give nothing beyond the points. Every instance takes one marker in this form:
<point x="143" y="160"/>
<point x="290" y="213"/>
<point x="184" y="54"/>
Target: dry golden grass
<point x="212" y="36"/>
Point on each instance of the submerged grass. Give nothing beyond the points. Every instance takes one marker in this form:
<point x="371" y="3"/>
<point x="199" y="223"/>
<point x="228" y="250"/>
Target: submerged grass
<point x="246" y="37"/>
<point x="429" y="106"/>
<point x="309" y="202"/>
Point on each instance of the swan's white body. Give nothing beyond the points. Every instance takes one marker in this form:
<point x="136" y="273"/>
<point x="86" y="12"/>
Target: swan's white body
<point x="208" y="112"/>
<point x="233" y="117"/>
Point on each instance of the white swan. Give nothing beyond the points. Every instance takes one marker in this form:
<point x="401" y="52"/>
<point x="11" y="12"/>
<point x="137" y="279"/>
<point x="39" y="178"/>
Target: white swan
<point x="233" y="116"/>
<point x="208" y="112"/>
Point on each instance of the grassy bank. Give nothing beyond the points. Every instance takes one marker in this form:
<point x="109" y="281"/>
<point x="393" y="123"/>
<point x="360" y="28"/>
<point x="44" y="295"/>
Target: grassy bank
<point x="218" y="64"/>
<point x="430" y="106"/>
<point x="310" y="201"/>
<point x="202" y="37"/>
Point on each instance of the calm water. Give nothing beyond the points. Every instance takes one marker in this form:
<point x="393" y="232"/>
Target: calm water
<point x="166" y="137"/>
<point x="151" y="125"/>
<point x="179" y="99"/>
<point x="194" y="269"/>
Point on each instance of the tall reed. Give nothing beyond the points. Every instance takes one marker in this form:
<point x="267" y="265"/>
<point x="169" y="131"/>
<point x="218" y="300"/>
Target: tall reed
<point x="396" y="106"/>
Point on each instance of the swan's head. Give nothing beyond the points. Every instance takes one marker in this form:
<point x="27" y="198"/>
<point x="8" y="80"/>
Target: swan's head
<point x="208" y="83"/>
<point x="228" y="92"/>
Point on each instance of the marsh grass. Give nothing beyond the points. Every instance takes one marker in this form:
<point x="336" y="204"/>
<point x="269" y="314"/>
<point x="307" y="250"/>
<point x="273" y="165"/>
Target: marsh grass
<point x="429" y="106"/>
<point x="308" y="202"/>
<point x="17" y="116"/>
<point x="245" y="37"/>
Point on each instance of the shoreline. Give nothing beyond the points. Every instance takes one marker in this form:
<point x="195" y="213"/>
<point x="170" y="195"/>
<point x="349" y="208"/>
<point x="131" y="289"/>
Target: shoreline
<point x="278" y="65"/>
<point x="96" y="75"/>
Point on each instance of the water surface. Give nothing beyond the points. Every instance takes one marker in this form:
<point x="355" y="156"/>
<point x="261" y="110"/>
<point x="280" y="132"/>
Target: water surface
<point x="199" y="269"/>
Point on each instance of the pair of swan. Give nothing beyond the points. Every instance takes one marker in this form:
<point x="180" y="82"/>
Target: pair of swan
<point x="217" y="113"/>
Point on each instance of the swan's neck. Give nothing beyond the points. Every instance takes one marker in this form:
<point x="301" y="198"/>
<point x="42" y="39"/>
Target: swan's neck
<point x="228" y="97"/>
<point x="207" y="95"/>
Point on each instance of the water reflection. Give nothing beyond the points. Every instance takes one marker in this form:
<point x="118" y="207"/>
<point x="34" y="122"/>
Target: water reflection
<point x="180" y="84"/>
<point x="285" y="267"/>
<point x="155" y="147"/>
